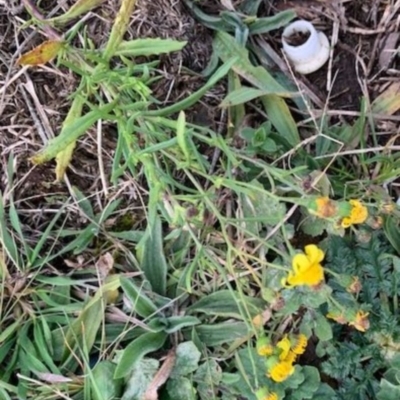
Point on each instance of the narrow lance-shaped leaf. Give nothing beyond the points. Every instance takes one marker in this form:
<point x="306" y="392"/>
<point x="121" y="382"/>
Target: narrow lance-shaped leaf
<point x="153" y="263"/>
<point x="194" y="97"/>
<point x="181" y="134"/>
<point x="141" y="304"/>
<point x="267" y="24"/>
<point x="103" y="384"/>
<point x="63" y="158"/>
<point x="281" y="118"/>
<point x="242" y="96"/>
<point x="119" y="28"/>
<point x="148" y="47"/>
<point x="84" y="328"/>
<point x="70" y="133"/>
<point x="227" y="48"/>
<point x="79" y="8"/>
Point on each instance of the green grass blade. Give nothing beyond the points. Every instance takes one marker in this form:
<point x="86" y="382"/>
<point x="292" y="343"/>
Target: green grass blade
<point x="148" y="47"/>
<point x="193" y="98"/>
<point x="70" y="133"/>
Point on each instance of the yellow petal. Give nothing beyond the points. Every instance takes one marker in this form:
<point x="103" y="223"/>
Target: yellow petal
<point x="310" y="277"/>
<point x="284" y="344"/>
<point x="346" y="222"/>
<point x="314" y="254"/>
<point x="281" y="371"/>
<point x="300" y="263"/>
<point x="300" y="345"/>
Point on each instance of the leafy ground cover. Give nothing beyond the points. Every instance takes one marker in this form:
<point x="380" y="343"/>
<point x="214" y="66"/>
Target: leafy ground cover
<point x="184" y="217"/>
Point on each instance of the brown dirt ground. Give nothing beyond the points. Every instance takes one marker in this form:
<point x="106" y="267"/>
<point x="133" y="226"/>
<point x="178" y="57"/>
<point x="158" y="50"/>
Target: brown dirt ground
<point x="36" y="99"/>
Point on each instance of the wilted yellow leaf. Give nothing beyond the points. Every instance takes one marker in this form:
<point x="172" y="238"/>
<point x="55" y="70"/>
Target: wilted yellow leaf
<point x="388" y="102"/>
<point x="41" y="54"/>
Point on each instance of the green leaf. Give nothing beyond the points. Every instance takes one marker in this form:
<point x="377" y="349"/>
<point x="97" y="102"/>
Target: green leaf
<point x="260" y="208"/>
<point x="104" y="386"/>
<point x="391" y="228"/>
<point x="153" y="263"/>
<point x="208" y="376"/>
<point x="388" y="391"/>
<point x="227" y="48"/>
<point x="324" y="392"/>
<point x="4" y="395"/>
<point x="313" y="226"/>
<point x="225" y="303"/>
<point x="220" y="333"/>
<point x="64" y="157"/>
<point x="177" y="323"/>
<point x="10" y="330"/>
<point x="83" y="330"/>
<point x="267" y="24"/>
<point x="241" y="96"/>
<point x="148" y="47"/>
<point x="181" y="389"/>
<point x="136" y="350"/>
<point x="182" y="136"/>
<point x="194" y="97"/>
<point x="322" y="328"/>
<point x="187" y="359"/>
<point x="141" y="304"/>
<point x="310" y="384"/>
<point x="209" y="21"/>
<point x="79" y="8"/>
<point x="70" y="133"/>
<point x="6" y="240"/>
<point x="139" y="380"/>
<point x="281" y="118"/>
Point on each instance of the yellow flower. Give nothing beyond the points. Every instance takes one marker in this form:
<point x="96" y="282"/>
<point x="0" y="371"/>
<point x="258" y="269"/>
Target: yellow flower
<point x="361" y="322"/>
<point x="358" y="214"/>
<point x="307" y="269"/>
<point x="324" y="207"/>
<point x="265" y="394"/>
<point x="284" y="345"/>
<point x="280" y="371"/>
<point x="291" y="357"/>
<point x="264" y="347"/>
<point x="300" y="346"/>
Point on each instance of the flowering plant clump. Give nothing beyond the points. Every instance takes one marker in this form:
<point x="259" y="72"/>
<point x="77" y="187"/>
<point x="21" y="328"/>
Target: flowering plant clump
<point x="306" y="268"/>
<point x="340" y="213"/>
<point x="358" y="214"/>
<point x="280" y="362"/>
